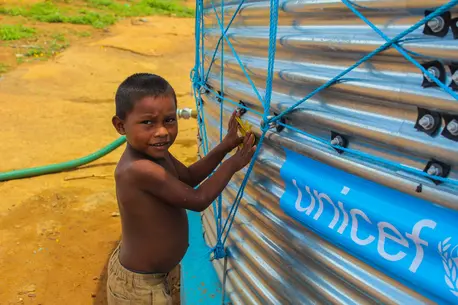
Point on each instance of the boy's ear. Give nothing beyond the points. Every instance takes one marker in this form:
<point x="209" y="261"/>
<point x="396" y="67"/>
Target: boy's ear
<point x="118" y="125"/>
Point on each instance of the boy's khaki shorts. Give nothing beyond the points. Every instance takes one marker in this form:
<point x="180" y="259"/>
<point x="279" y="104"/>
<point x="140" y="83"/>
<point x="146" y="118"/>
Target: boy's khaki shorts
<point x="127" y="287"/>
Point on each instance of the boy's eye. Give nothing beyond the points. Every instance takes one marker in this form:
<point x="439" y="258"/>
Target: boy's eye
<point x="147" y="122"/>
<point x="170" y="120"/>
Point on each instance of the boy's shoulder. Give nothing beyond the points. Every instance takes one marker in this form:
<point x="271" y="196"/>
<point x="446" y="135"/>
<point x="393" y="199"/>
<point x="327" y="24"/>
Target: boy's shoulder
<point x="132" y="168"/>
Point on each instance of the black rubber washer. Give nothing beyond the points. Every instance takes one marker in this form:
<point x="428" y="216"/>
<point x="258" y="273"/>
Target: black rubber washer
<point x="344" y="138"/>
<point x="454" y="26"/>
<point x="445" y="170"/>
<point x="218" y="97"/>
<point x="282" y="120"/>
<point x="428" y="31"/>
<point x="437" y="121"/>
<point x="453" y="69"/>
<point x="448" y="118"/>
<point x="437" y="64"/>
<point x="242" y="110"/>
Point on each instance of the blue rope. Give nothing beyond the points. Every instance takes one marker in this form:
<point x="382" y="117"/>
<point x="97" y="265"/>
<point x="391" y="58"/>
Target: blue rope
<point x="369" y="56"/>
<point x="219" y="249"/>
<point x="199" y="81"/>
<point x="221" y="38"/>
<point x="236" y="56"/>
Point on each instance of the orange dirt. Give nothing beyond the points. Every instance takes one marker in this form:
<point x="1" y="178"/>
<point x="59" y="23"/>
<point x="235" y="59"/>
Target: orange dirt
<point x="57" y="231"/>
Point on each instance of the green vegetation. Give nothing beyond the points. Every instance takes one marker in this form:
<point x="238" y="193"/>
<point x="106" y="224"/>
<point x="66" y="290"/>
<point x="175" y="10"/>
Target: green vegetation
<point x="83" y="34"/>
<point x="3" y="68"/>
<point x="106" y="12"/>
<point x="15" y="32"/>
<point x="57" y="45"/>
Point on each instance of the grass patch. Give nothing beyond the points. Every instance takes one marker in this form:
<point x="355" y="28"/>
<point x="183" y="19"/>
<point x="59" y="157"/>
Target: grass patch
<point x="142" y="8"/>
<point x="49" y="12"/>
<point x="106" y="12"/>
<point x="50" y="50"/>
<point x="83" y="34"/>
<point x="3" y="68"/>
<point x="15" y="32"/>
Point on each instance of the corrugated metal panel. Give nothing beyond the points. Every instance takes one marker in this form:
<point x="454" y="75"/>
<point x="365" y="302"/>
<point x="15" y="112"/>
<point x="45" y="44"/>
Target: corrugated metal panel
<point x="275" y="259"/>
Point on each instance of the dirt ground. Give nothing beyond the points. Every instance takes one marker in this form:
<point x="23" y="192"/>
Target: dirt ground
<point x="57" y="231"/>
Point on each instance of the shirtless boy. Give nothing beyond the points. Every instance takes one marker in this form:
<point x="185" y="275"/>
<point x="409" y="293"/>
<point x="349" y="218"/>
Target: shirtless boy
<point x="154" y="189"/>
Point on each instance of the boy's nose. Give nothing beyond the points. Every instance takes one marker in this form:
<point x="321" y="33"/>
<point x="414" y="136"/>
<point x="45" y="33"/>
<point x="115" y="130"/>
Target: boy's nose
<point x="161" y="132"/>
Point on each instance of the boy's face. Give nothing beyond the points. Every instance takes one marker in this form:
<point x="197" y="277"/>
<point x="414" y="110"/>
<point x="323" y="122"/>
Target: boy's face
<point x="151" y="127"/>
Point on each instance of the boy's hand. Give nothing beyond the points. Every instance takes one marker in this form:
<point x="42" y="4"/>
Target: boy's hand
<point x="232" y="139"/>
<point x="243" y="156"/>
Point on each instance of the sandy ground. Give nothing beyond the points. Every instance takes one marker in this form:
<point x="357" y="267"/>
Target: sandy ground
<point x="57" y="231"/>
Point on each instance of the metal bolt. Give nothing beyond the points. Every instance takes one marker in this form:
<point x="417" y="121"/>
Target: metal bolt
<point x="434" y="71"/>
<point x="452" y="127"/>
<point x="271" y="124"/>
<point x="337" y="141"/>
<point x="455" y="77"/>
<point x="435" y="170"/>
<point x="202" y="90"/>
<point x="436" y="24"/>
<point x="427" y="122"/>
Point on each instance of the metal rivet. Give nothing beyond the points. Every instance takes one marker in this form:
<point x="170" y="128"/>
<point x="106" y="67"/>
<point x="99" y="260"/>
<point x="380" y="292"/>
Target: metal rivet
<point x="436" y="24"/>
<point x="452" y="127"/>
<point x="427" y="122"/>
<point x="435" y="170"/>
<point x="433" y="71"/>
<point x="338" y="140"/>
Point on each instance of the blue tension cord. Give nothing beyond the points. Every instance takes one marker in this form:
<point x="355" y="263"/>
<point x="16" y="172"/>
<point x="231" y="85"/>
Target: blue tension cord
<point x="219" y="212"/>
<point x="221" y="38"/>
<point x="401" y="50"/>
<point x="238" y="59"/>
<point x="368" y="56"/>
<point x="268" y="95"/>
<point x="272" y="43"/>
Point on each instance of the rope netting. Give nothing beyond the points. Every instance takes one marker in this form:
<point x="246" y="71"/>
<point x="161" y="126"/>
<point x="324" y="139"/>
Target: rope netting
<point x="200" y="76"/>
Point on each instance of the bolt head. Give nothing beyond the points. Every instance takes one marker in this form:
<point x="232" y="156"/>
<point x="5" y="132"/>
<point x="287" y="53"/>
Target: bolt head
<point x="435" y="170"/>
<point x="452" y="127"/>
<point x="434" y="71"/>
<point x="436" y="24"/>
<point x="427" y="122"/>
<point x="337" y="141"/>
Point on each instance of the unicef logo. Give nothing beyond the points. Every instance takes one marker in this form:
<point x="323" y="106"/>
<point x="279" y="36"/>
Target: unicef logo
<point x="450" y="262"/>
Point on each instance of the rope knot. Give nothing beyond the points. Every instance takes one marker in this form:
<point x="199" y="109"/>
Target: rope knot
<point x="218" y="251"/>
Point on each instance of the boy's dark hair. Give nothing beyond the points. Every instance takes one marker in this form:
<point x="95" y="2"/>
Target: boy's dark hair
<point x="138" y="86"/>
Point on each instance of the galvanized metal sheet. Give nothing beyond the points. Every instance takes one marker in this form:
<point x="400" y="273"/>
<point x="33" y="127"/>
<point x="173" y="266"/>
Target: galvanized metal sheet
<point x="316" y="226"/>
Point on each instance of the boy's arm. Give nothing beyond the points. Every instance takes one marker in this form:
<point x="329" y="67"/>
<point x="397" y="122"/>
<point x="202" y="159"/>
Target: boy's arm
<point x="155" y="180"/>
<point x="200" y="170"/>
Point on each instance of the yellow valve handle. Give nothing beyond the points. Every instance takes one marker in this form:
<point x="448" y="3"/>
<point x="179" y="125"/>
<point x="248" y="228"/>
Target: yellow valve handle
<point x="244" y="128"/>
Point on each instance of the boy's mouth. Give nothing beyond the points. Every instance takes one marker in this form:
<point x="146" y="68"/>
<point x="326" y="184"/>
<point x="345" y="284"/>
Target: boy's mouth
<point x="161" y="144"/>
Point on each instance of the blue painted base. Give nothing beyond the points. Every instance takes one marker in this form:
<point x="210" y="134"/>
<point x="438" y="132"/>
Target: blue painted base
<point x="199" y="282"/>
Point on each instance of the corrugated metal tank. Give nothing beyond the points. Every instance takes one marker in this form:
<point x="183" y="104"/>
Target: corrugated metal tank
<point x="316" y="225"/>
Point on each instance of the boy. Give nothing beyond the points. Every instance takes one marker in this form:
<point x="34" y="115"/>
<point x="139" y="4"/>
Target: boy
<point x="154" y="189"/>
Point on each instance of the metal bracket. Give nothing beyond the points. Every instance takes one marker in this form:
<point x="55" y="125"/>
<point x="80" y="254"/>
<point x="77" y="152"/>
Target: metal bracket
<point x="437" y="69"/>
<point x="437" y="168"/>
<point x="218" y="98"/>
<point x="242" y="110"/>
<point x="340" y="140"/>
<point x="437" y="26"/>
<point x="428" y="121"/>
<point x="454" y="71"/>
<point x="451" y="127"/>
<point x="454" y="26"/>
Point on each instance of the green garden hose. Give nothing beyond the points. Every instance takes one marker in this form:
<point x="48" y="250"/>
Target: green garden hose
<point x="185" y="113"/>
<point x="59" y="167"/>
